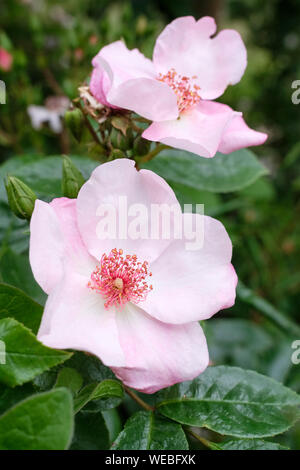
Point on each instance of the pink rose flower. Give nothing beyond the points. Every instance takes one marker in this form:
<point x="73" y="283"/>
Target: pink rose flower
<point x="6" y="60"/>
<point x="189" y="69"/>
<point x="134" y="303"/>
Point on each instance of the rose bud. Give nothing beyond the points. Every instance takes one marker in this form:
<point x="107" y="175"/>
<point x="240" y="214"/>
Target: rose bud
<point x="72" y="179"/>
<point x="21" y="198"/>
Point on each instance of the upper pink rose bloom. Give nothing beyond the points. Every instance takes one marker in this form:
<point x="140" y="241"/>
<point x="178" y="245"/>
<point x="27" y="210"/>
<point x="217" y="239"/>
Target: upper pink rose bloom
<point x="6" y="60"/>
<point x="189" y="69"/>
<point x="134" y="303"/>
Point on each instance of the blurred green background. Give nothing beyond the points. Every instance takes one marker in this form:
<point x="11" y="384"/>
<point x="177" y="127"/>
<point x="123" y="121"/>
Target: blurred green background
<point x="52" y="44"/>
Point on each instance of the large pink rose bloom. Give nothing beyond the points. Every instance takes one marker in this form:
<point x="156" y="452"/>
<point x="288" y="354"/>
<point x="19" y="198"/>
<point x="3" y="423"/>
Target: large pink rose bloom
<point x="139" y="319"/>
<point x="189" y="69"/>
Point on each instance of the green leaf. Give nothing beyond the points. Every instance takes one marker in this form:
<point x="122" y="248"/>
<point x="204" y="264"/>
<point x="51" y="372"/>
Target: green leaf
<point x="249" y="444"/>
<point x="16" y="271"/>
<point x="279" y="318"/>
<point x="148" y="431"/>
<point x="90" y="367"/>
<point x="16" y="304"/>
<point x="232" y="401"/>
<point x="41" y="422"/>
<point x="69" y="378"/>
<point x="91" y="432"/>
<point x="220" y="174"/>
<point x="108" y="394"/>
<point x="238" y="342"/>
<point x="11" y="396"/>
<point x="113" y="423"/>
<point x="43" y="174"/>
<point x="25" y="356"/>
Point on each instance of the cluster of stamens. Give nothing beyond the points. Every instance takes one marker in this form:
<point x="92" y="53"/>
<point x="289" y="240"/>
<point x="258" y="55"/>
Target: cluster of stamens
<point x="120" y="279"/>
<point x="186" y="90"/>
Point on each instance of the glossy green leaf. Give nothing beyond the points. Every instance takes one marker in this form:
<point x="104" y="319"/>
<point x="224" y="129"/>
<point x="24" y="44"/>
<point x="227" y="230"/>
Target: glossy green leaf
<point x="69" y="378"/>
<point x="90" y="368"/>
<point x="16" y="271"/>
<point x="108" y="394"/>
<point x="220" y="174"/>
<point x="11" y="396"/>
<point x="40" y="422"/>
<point x="148" y="431"/>
<point x="91" y="432"/>
<point x="25" y="356"/>
<point x="43" y="174"/>
<point x="249" y="444"/>
<point x="232" y="401"/>
<point x="113" y="423"/>
<point x="16" y="304"/>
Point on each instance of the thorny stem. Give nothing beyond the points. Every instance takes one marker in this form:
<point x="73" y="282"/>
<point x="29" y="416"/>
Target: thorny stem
<point x="138" y="400"/>
<point x="154" y="152"/>
<point x="88" y="124"/>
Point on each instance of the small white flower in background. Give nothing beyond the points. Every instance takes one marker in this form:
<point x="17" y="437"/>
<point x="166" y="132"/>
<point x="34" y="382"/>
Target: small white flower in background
<point x="55" y="107"/>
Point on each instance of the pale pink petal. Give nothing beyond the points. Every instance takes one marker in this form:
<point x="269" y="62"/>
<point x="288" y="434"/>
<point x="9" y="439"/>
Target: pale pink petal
<point x="198" y="130"/>
<point x="75" y="318"/>
<point x="100" y="85"/>
<point x="238" y="135"/>
<point x="158" y="355"/>
<point x="144" y="353"/>
<point x="186" y="45"/>
<point x="55" y="241"/>
<point x="193" y="282"/>
<point x="126" y="79"/>
<point x="114" y="190"/>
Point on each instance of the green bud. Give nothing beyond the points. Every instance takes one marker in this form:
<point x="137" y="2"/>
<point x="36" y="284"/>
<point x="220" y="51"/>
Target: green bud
<point x="74" y="121"/>
<point x="121" y="141"/>
<point x="141" y="146"/>
<point x="72" y="179"/>
<point x="116" y="153"/>
<point x="21" y="198"/>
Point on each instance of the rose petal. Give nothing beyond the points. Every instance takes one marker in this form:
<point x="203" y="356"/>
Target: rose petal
<point x="54" y="241"/>
<point x="117" y="188"/>
<point x="238" y="135"/>
<point x="75" y="318"/>
<point x="158" y="355"/>
<point x="193" y="284"/>
<point x="186" y="45"/>
<point x="133" y="83"/>
<point x="198" y="130"/>
<point x="100" y="85"/>
<point x="143" y="352"/>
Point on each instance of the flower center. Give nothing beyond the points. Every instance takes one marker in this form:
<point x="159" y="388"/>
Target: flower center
<point x="120" y="279"/>
<point x="186" y="90"/>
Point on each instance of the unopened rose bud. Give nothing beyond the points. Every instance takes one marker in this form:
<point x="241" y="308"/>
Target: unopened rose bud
<point x="72" y="179"/>
<point x="141" y="146"/>
<point x="74" y="121"/>
<point x="21" y="198"/>
<point x="117" y="153"/>
<point x="121" y="141"/>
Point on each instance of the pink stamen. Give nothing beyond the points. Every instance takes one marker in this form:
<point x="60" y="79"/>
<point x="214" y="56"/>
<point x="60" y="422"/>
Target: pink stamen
<point x="120" y="279"/>
<point x="186" y="91"/>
